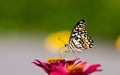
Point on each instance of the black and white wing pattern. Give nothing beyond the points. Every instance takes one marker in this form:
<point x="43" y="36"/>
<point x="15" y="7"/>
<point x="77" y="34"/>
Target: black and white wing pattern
<point x="79" y="38"/>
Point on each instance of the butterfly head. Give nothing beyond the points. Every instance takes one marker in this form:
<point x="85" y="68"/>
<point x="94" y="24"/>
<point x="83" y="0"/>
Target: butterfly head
<point x="66" y="45"/>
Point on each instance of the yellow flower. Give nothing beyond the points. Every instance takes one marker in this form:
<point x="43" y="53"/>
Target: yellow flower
<point x="56" y="41"/>
<point x="118" y="43"/>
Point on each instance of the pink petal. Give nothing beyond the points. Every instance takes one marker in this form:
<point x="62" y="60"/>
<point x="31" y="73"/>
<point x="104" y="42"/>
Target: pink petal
<point x="70" y="62"/>
<point x="43" y="65"/>
<point x="92" y="68"/>
<point x="83" y="63"/>
<point x="54" y="73"/>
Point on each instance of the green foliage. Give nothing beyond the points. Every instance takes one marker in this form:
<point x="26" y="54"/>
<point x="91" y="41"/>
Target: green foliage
<point x="53" y="15"/>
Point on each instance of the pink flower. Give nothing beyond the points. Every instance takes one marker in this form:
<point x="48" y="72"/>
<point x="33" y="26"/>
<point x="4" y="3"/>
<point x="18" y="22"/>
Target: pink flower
<point x="60" y="66"/>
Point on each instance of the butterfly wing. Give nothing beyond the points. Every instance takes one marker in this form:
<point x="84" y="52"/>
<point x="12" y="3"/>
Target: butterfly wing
<point x="79" y="38"/>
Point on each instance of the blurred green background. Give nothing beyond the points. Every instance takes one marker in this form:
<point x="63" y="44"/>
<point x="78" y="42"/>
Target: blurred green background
<point x="28" y="17"/>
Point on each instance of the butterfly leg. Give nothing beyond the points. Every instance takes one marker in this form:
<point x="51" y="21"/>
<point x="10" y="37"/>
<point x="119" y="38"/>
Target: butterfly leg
<point x="59" y="52"/>
<point x="62" y="52"/>
<point x="79" y="50"/>
<point x="75" y="52"/>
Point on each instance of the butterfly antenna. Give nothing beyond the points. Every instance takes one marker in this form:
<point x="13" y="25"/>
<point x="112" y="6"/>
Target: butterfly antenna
<point x="61" y="40"/>
<point x="60" y="52"/>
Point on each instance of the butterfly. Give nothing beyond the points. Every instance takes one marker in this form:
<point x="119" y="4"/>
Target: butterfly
<point x="79" y="39"/>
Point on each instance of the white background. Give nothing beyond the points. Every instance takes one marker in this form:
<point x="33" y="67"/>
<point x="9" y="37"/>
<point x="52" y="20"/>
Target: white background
<point x="16" y="56"/>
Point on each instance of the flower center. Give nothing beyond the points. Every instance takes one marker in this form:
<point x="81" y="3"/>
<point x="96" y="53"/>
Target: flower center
<point x="72" y="68"/>
<point x="51" y="60"/>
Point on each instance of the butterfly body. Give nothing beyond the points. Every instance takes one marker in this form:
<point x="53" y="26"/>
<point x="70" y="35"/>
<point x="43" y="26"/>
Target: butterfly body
<point x="79" y="38"/>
